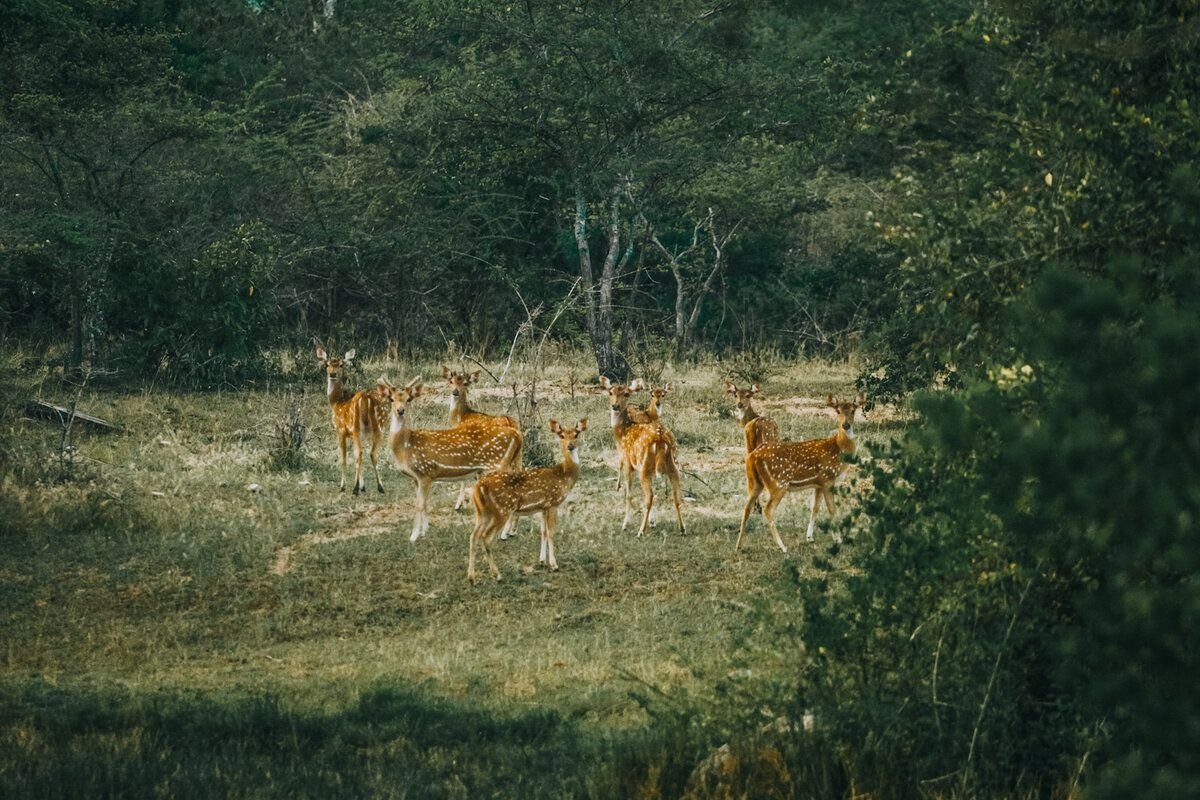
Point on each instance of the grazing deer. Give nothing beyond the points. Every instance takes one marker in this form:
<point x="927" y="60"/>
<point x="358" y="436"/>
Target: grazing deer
<point x="463" y="414"/>
<point x="758" y="429"/>
<point x="440" y="455"/>
<point x="781" y="466"/>
<point x="648" y="448"/>
<point x="354" y="416"/>
<point x="501" y="496"/>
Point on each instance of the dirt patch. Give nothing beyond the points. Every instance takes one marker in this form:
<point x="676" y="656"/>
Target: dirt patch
<point x="347" y="525"/>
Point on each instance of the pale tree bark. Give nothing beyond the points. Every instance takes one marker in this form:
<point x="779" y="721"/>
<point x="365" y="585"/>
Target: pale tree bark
<point x="687" y="311"/>
<point x="610" y="362"/>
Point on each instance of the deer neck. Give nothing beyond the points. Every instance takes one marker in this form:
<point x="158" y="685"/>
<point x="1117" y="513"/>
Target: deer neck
<point x="398" y="434"/>
<point x="621" y="421"/>
<point x="333" y="391"/>
<point x="845" y="439"/>
<point x="748" y="415"/>
<point x="458" y="408"/>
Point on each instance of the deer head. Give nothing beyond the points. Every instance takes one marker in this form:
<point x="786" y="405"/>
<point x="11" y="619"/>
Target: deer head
<point x="569" y="437"/>
<point x="742" y="399"/>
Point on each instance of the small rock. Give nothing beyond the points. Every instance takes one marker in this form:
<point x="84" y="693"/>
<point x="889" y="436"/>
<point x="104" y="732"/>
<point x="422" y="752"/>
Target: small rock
<point x="253" y="488"/>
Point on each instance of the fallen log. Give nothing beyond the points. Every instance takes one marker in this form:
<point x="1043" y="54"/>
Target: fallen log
<point x="40" y="409"/>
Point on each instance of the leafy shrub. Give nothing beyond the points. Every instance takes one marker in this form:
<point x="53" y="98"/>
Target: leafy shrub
<point x="1026" y="565"/>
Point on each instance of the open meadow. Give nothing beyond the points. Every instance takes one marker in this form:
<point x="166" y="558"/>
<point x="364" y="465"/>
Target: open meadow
<point x="186" y="613"/>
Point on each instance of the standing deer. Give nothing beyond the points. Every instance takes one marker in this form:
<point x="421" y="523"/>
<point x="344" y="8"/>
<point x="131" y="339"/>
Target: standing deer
<point x="654" y="409"/>
<point x="441" y="455"/>
<point x="354" y="416"/>
<point x="501" y="496"/>
<point x="647" y="447"/>
<point x="757" y="429"/>
<point x="651" y="413"/>
<point x="462" y="414"/>
<point x="781" y="466"/>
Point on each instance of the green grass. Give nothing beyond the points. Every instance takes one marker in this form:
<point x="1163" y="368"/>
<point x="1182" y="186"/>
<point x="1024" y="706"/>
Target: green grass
<point x="168" y="629"/>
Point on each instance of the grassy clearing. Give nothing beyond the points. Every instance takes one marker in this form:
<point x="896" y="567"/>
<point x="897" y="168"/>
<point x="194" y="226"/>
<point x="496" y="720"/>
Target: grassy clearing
<point x="158" y="611"/>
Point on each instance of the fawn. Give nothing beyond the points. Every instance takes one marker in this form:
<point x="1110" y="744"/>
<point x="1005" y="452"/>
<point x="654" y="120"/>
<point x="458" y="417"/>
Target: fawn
<point x="500" y="496"/>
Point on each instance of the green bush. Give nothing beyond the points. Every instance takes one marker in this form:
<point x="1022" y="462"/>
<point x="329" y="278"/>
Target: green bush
<point x="1024" y="580"/>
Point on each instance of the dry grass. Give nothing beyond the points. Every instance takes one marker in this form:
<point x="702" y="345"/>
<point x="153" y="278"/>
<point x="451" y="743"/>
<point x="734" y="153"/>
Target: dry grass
<point x="162" y="571"/>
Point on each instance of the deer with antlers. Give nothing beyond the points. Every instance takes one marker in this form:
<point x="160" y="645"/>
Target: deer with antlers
<point x="779" y="467"/>
<point x="500" y="496"/>
<point x="355" y="416"/>
<point x="646" y="447"/>
<point x="441" y="455"/>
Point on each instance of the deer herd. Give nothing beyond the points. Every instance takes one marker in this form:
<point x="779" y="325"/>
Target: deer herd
<point x="489" y="446"/>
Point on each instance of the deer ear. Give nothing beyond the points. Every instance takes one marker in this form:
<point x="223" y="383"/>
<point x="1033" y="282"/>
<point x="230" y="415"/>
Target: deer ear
<point x="446" y="373"/>
<point x="604" y="383"/>
<point x="862" y="399"/>
<point x="730" y="388"/>
<point x="581" y="426"/>
<point x="349" y="355"/>
<point x="322" y="356"/>
<point x="756" y="389"/>
<point x="554" y="426"/>
<point x="474" y="376"/>
<point x="383" y="382"/>
<point x="829" y="402"/>
<point x="636" y="385"/>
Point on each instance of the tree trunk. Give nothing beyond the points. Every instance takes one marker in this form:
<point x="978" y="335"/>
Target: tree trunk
<point x="609" y="361"/>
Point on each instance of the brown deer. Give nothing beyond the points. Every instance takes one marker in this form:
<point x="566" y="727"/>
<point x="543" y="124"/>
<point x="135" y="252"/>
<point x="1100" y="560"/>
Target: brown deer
<point x="355" y="416"/>
<point x="757" y="429"/>
<point x="781" y="466"/>
<point x="654" y="409"/>
<point x="501" y="496"/>
<point x="648" y="448"/>
<point x="440" y="455"/>
<point x="651" y="413"/>
<point x="462" y="414"/>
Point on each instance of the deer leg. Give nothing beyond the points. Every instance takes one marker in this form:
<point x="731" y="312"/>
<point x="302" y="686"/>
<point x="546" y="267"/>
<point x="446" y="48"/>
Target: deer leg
<point x="423" y="485"/>
<point x="647" y="496"/>
<point x="673" y="476"/>
<point x="342" y="461"/>
<point x="627" y="474"/>
<point x="755" y="489"/>
<point x="462" y="496"/>
<point x="828" y="495"/>
<point x="359" y="486"/>
<point x="375" y="436"/>
<point x="493" y="525"/>
<point x="769" y="513"/>
<point x="812" y="517"/>
<point x="550" y="522"/>
<point x="475" y="538"/>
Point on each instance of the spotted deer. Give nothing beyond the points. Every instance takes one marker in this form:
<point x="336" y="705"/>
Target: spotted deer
<point x="441" y="455"/>
<point x="355" y="416"/>
<point x="647" y="447"/>
<point x="779" y="467"/>
<point x="655" y="406"/>
<point x="462" y="414"/>
<point x="757" y="429"/>
<point x="653" y="411"/>
<point x="500" y="496"/>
